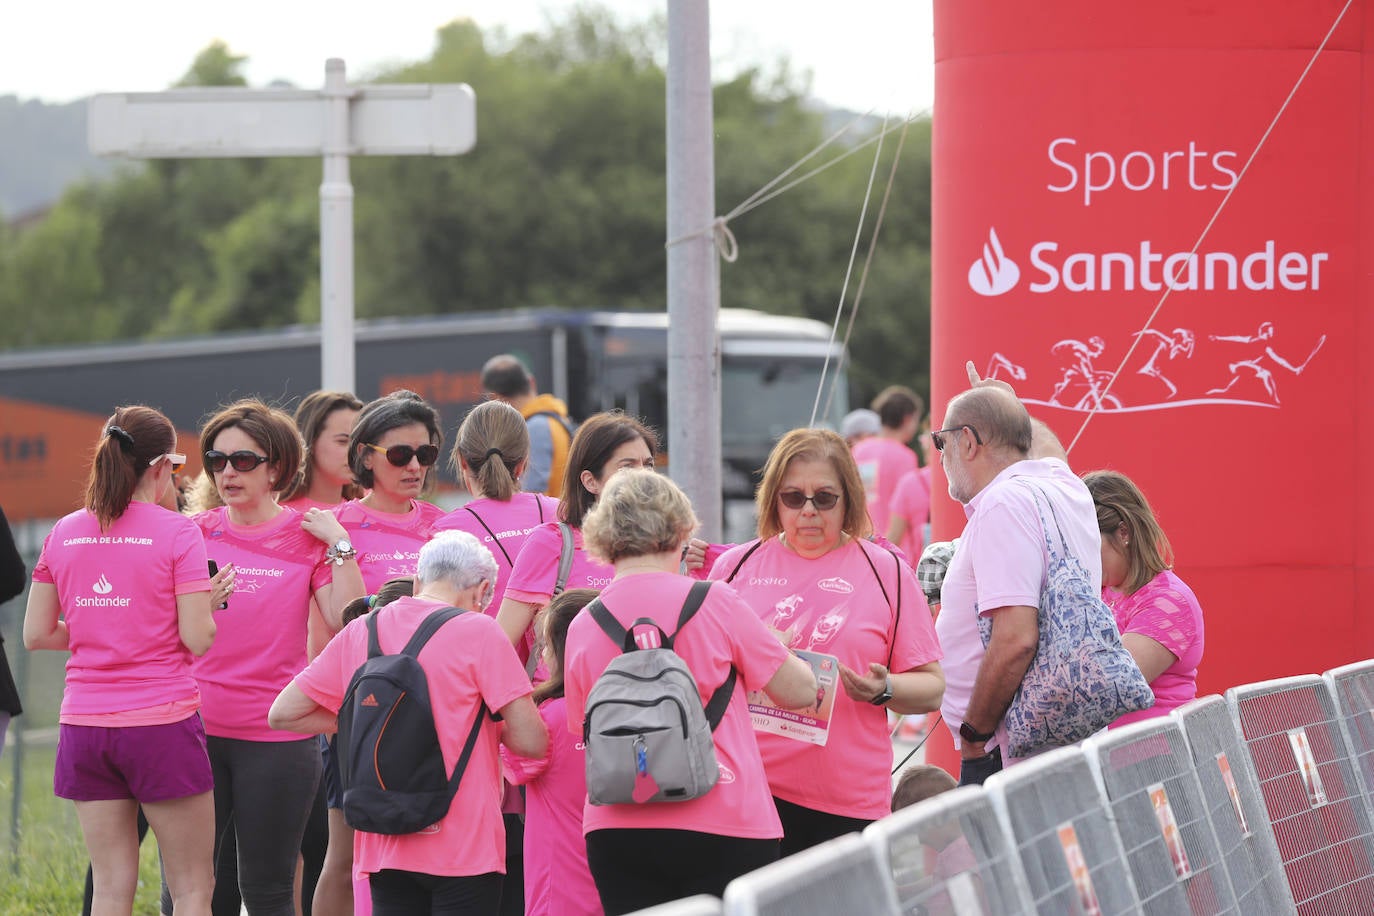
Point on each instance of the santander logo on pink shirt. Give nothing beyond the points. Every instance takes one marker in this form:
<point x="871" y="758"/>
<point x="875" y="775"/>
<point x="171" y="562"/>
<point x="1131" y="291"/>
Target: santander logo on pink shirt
<point x="102" y="588"/>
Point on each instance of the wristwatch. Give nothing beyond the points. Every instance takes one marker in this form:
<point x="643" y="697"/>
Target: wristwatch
<point x="342" y="550"/>
<point x="973" y="736"/>
<point x="882" y="698"/>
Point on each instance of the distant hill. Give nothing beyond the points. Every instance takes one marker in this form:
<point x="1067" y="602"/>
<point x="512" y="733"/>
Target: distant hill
<point x="42" y="150"/>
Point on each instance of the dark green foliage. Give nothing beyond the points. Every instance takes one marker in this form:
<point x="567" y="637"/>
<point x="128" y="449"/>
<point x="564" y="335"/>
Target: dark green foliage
<point x="562" y="202"/>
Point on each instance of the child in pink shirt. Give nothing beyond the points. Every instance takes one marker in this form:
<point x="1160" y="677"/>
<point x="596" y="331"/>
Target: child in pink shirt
<point x="557" y="881"/>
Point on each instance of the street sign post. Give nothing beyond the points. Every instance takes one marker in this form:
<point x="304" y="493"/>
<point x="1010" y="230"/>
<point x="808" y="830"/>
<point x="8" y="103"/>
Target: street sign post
<point x="334" y="123"/>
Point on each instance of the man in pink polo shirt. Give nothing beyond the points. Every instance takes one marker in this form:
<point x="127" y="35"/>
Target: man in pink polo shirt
<point x="1000" y="567"/>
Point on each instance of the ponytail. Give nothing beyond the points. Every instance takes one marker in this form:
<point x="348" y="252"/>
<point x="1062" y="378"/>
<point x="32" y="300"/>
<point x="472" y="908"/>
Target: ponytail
<point x="492" y="442"/>
<point x="129" y="442"/>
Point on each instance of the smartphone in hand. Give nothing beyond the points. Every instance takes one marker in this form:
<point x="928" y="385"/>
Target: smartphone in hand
<point x="214" y="571"/>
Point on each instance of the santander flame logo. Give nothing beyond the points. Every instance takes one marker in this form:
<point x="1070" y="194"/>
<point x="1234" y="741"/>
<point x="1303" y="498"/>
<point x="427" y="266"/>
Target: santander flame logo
<point x="102" y="586"/>
<point x="994" y="273"/>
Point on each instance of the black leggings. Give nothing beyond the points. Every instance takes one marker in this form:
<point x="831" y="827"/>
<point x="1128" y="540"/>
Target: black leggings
<point x="263" y="794"/>
<point x="634" y="869"/>
<point x="409" y="893"/>
<point x="803" y="828"/>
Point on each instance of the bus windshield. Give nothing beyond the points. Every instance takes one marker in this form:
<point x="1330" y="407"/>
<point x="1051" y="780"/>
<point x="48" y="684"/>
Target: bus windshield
<point x="764" y="397"/>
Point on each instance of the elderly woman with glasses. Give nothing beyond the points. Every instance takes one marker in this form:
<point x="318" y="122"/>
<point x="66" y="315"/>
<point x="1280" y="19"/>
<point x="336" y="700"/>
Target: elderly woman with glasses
<point x="815" y="578"/>
<point x="122" y="585"/>
<point x="1157" y="613"/>
<point x="277" y="559"/>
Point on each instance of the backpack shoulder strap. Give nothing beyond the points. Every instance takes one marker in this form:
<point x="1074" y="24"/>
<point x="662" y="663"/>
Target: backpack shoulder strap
<point x="565" y="559"/>
<point x="427" y="628"/>
<point x="747" y="554"/>
<point x="609" y="625"/>
<point x="494" y="539"/>
<point x="374" y="647"/>
<point x="720" y="698"/>
<point x="462" y="762"/>
<point x="695" y="596"/>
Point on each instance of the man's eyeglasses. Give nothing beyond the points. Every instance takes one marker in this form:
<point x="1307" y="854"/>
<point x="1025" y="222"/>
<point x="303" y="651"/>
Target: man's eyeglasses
<point x="822" y="500"/>
<point x="400" y="455"/>
<point x="242" y="461"/>
<point x="937" y="436"/>
<point x="177" y="461"/>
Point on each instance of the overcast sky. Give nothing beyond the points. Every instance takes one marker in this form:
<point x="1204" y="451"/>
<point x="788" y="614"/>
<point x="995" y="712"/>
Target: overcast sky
<point x="862" y="54"/>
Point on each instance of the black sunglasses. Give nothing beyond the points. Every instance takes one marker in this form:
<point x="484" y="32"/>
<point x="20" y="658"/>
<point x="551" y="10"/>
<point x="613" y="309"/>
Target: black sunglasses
<point x="937" y="437"/>
<point x="822" y="500"/>
<point x="243" y="461"/>
<point x="400" y="455"/>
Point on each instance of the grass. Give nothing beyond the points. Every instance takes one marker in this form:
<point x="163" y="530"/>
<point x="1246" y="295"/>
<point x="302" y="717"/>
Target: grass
<point x="45" y="872"/>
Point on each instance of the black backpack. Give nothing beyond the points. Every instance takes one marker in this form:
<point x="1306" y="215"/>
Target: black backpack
<point x="390" y="763"/>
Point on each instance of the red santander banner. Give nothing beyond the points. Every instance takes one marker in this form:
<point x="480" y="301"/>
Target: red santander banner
<point x="1081" y="150"/>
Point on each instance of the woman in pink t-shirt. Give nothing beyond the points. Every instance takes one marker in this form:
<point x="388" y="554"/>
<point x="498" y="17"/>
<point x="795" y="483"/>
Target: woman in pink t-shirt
<point x="814" y="578"/>
<point x="325" y="419"/>
<point x="605" y="444"/>
<point x="1158" y="615"/>
<point x="649" y="853"/>
<point x="122" y="585"/>
<point x="491" y="455"/>
<point x="279" y="559"/>
<point x="394" y="443"/>
<point x="454" y="865"/>
<point x="557" y="880"/>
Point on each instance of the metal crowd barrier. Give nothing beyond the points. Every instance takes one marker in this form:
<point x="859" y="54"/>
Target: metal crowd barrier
<point x="841" y="877"/>
<point x="1062" y="832"/>
<point x="1307" y="777"/>
<point x="951" y="854"/>
<point x="1152" y="794"/>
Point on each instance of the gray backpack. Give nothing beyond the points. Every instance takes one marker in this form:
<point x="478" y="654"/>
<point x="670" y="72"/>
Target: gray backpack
<point x="647" y="735"/>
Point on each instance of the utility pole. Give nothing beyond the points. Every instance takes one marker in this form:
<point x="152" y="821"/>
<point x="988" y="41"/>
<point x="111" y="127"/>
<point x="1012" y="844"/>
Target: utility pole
<point x="694" y="408"/>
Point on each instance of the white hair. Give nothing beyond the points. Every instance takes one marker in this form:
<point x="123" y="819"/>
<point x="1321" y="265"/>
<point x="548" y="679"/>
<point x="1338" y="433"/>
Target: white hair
<point x="456" y="558"/>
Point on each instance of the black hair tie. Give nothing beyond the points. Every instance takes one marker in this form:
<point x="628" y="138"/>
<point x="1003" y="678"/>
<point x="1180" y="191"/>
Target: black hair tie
<point x="126" y="441"/>
<point x="493" y="451"/>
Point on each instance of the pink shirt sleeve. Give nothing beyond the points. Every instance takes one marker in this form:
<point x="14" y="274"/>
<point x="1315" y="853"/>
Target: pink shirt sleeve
<point x="189" y="569"/>
<point x="915" y="643"/>
<point x="1008" y="556"/>
<point x="536" y="567"/>
<point x="1166" y="616"/>
<point x="323" y="680"/>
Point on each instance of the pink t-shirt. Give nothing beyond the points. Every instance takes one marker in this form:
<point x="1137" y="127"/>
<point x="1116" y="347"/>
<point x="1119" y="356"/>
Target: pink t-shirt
<point x="503" y="527"/>
<point x="1001" y="562"/>
<point x="388" y="545"/>
<point x="723" y="633"/>
<point x="882" y="462"/>
<point x="1166" y="610"/>
<point x="536" y="567"/>
<point x="911" y="501"/>
<point x="468" y="660"/>
<point x="557" y="880"/>
<point x="118" y="593"/>
<point x="260" y="638"/>
<point x="835" y="605"/>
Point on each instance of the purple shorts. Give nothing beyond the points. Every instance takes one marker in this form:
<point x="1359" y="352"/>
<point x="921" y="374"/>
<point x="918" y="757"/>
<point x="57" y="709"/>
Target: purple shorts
<point x="150" y="763"/>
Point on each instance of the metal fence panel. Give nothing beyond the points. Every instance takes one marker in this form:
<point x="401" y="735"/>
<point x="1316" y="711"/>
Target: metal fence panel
<point x="951" y="854"/>
<point x="1312" y="794"/>
<point x="1059" y="825"/>
<point x="841" y="877"/>
<point x="700" y="905"/>
<point x="1235" y="807"/>
<point x="1353" y="688"/>
<point x="1161" y="819"/>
